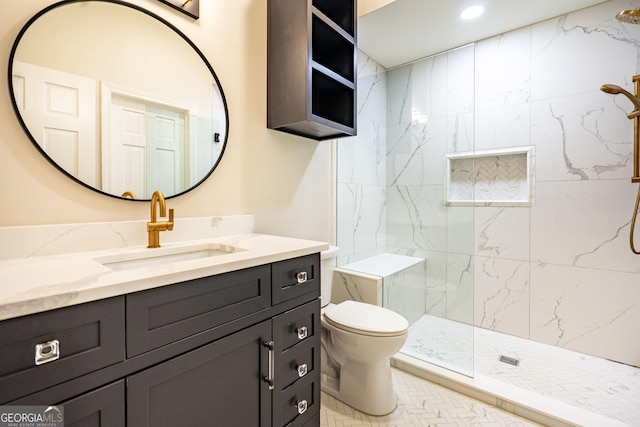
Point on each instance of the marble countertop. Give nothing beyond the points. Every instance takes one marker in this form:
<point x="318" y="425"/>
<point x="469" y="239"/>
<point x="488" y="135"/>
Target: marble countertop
<point x="35" y="284"/>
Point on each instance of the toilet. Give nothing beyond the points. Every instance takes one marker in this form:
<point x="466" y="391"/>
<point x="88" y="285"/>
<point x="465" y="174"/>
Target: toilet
<point x="358" y="341"/>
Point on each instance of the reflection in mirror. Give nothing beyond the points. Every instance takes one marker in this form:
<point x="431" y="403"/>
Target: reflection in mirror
<point x="118" y="98"/>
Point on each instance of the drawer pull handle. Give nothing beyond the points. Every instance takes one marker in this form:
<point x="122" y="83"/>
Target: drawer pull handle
<point x="302" y="332"/>
<point x="269" y="378"/>
<point x="301" y="406"/>
<point x="47" y="352"/>
<point x="301" y="277"/>
<point x="302" y="370"/>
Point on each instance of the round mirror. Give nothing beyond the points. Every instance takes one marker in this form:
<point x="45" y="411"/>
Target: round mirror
<point x="118" y="99"/>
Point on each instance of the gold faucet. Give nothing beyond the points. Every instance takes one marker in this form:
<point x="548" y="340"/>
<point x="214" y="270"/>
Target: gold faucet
<point x="154" y="227"/>
<point x="130" y="194"/>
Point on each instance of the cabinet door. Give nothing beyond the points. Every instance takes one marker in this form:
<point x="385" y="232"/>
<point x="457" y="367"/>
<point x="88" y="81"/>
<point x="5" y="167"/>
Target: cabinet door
<point x="218" y="384"/>
<point x="103" y="407"/>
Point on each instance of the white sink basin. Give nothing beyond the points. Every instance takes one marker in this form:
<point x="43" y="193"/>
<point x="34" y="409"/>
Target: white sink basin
<point x="164" y="255"/>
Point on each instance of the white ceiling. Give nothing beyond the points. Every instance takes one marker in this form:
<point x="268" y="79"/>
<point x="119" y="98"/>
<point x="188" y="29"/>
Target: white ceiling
<point x="406" y="30"/>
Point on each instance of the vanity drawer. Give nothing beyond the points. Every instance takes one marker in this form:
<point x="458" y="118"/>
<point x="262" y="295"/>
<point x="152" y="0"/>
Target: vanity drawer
<point x="297" y="404"/>
<point x="160" y="316"/>
<point x="298" y="362"/>
<point x="86" y="337"/>
<point x="295" y="277"/>
<point x="296" y="326"/>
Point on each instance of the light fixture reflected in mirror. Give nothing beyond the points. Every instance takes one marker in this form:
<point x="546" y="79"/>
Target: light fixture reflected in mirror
<point x="472" y="12"/>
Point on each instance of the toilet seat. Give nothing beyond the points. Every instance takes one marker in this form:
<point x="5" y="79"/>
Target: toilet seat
<point x="366" y="319"/>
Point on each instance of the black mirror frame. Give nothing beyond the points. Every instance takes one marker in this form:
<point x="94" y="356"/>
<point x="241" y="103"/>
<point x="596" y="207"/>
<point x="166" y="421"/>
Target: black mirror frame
<point x="14" y="104"/>
<point x="188" y="7"/>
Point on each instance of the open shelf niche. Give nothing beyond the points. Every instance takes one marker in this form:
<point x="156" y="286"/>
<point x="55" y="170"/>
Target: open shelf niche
<point x="496" y="177"/>
<point x="312" y="67"/>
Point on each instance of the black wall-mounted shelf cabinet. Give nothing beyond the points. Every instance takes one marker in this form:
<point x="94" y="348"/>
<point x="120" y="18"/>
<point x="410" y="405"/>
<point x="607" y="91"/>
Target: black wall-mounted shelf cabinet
<point x="312" y="67"/>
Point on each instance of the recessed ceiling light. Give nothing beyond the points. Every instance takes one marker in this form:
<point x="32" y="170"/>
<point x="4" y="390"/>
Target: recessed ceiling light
<point x="472" y="12"/>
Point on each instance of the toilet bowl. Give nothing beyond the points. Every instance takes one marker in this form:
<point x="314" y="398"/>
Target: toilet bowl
<point x="358" y="340"/>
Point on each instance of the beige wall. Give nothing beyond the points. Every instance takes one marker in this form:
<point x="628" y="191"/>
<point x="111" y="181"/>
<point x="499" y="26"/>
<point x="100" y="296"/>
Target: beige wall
<point x="367" y="6"/>
<point x="284" y="180"/>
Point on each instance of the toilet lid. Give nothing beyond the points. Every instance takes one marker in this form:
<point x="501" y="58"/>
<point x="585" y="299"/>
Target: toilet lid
<point x="366" y="319"/>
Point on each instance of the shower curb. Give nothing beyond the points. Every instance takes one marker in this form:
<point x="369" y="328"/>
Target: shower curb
<point x="545" y="411"/>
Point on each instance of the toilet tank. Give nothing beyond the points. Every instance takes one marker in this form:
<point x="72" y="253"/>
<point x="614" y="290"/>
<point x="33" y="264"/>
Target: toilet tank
<point x="327" y="264"/>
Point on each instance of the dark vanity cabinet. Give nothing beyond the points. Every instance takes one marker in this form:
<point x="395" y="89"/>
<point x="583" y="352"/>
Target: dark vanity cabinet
<point x="312" y="67"/>
<point x="240" y="348"/>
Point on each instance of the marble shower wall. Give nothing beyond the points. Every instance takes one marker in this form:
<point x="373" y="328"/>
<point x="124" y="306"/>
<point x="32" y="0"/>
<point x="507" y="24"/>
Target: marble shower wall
<point x="361" y="171"/>
<point x="559" y="272"/>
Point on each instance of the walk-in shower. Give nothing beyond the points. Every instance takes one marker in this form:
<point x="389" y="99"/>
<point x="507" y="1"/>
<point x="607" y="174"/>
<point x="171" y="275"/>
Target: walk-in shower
<point x="530" y="286"/>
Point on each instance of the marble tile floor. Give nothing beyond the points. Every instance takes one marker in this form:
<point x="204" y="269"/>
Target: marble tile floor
<point x="571" y="383"/>
<point x="420" y="404"/>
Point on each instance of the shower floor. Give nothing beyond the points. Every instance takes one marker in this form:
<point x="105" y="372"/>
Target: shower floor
<point x="545" y="373"/>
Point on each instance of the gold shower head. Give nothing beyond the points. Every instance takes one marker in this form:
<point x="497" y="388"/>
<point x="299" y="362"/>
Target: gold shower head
<point x="629" y="16"/>
<point x="616" y="90"/>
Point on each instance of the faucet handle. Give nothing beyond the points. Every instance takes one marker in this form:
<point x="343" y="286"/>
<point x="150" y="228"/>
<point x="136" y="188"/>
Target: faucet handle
<point x="170" y="223"/>
<point x="634" y="114"/>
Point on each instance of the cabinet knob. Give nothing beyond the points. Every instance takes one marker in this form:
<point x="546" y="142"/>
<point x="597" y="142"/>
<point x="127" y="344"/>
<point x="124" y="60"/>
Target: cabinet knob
<point x="302" y="332"/>
<point x="47" y="352"/>
<point x="301" y="406"/>
<point x="302" y="370"/>
<point x="301" y="277"/>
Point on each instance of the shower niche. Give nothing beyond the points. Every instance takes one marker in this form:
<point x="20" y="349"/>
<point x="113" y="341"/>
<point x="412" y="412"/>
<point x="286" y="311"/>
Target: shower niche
<point x="497" y="177"/>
